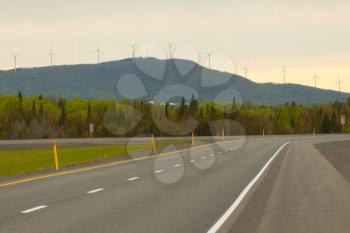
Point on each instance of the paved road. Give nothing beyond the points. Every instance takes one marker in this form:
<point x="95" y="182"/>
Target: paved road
<point x="253" y="185"/>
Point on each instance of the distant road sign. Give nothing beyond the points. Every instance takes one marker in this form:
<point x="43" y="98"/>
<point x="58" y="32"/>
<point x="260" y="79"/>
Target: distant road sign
<point x="342" y="119"/>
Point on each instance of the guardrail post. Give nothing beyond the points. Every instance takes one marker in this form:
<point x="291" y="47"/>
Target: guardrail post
<point x="193" y="138"/>
<point x="54" y="144"/>
<point x="154" y="146"/>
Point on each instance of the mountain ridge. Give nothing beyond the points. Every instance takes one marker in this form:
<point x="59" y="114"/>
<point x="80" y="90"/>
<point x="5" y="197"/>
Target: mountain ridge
<point x="102" y="81"/>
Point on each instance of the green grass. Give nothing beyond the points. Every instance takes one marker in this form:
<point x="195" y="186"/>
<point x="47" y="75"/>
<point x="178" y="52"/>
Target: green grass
<point x="26" y="161"/>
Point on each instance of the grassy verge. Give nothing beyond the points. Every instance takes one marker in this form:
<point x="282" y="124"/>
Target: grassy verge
<point x="27" y="161"/>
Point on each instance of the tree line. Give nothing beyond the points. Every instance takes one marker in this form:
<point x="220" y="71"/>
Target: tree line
<point x="45" y="117"/>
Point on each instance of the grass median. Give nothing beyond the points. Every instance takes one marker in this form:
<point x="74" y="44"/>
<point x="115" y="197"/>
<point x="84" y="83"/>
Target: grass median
<point x="28" y="161"/>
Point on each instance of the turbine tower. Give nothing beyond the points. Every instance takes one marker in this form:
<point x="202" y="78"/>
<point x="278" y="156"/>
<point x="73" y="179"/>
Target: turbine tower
<point x="209" y="59"/>
<point x="284" y="71"/>
<point x="171" y="51"/>
<point x="15" y="60"/>
<point x="98" y="51"/>
<point x="245" y="71"/>
<point x="315" y="79"/>
<point x="134" y="48"/>
<point x="51" y="54"/>
<point x="339" y="84"/>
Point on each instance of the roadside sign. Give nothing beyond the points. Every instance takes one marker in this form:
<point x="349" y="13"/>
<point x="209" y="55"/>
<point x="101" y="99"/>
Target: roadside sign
<point x="342" y="119"/>
<point x="91" y="128"/>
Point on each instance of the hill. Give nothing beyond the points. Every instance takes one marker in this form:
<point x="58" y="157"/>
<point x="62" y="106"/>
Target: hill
<point x="145" y="77"/>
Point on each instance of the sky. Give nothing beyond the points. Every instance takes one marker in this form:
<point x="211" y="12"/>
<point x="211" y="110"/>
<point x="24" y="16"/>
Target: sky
<point x="308" y="37"/>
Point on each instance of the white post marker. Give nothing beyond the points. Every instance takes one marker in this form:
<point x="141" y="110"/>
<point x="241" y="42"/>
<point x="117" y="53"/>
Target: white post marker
<point x="91" y="130"/>
<point x="342" y="119"/>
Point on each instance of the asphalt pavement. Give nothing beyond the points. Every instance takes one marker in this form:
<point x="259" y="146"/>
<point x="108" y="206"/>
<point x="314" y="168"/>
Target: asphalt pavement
<point x="253" y="184"/>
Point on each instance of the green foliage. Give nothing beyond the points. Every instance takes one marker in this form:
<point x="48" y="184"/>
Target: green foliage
<point x="38" y="117"/>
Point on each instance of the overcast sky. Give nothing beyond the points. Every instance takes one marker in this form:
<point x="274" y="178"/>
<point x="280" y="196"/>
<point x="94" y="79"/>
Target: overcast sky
<point x="310" y="36"/>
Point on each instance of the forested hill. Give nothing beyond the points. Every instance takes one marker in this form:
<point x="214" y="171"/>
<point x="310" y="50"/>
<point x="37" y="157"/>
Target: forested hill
<point x="146" y="77"/>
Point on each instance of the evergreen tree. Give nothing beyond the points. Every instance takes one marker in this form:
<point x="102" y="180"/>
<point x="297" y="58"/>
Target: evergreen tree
<point x="326" y="124"/>
<point x="182" y="109"/>
<point x="34" y="109"/>
<point x="166" y="110"/>
<point x="89" y="113"/>
<point x="335" y="123"/>
<point x="193" y="108"/>
<point x="62" y="119"/>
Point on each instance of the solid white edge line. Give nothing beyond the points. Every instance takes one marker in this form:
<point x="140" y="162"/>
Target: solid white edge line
<point x="241" y="196"/>
<point x="133" y="178"/>
<point x="95" y="191"/>
<point x="34" y="209"/>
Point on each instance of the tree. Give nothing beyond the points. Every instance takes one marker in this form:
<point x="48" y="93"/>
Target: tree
<point x="34" y="109"/>
<point x="335" y="123"/>
<point x="166" y="110"/>
<point x="326" y="124"/>
<point x="20" y="105"/>
<point x="193" y="108"/>
<point x="62" y="119"/>
<point x="89" y="112"/>
<point x="182" y="109"/>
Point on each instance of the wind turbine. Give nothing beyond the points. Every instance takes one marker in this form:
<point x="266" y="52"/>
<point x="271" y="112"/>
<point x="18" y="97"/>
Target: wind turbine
<point x="245" y="71"/>
<point x="209" y="58"/>
<point x="315" y="78"/>
<point x="134" y="48"/>
<point x="284" y="71"/>
<point x="339" y="84"/>
<point x="51" y="54"/>
<point x="170" y="47"/>
<point x="98" y="51"/>
<point x="15" y="60"/>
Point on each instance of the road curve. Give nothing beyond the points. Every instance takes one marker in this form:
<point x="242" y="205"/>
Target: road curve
<point x="297" y="191"/>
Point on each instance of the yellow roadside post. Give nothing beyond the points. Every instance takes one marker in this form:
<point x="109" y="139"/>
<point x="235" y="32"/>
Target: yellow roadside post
<point x="154" y="147"/>
<point x="54" y="144"/>
<point x="223" y="134"/>
<point x="193" y="139"/>
<point x="314" y="131"/>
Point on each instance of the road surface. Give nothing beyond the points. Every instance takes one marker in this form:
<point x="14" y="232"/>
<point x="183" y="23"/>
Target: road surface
<point x="270" y="184"/>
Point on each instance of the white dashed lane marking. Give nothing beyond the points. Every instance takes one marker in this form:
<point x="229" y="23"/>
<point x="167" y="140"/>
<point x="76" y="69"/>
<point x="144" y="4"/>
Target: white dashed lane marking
<point x="95" y="191"/>
<point x="133" y="178"/>
<point x="159" y="171"/>
<point x="34" y="209"/>
<point x="177" y="165"/>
